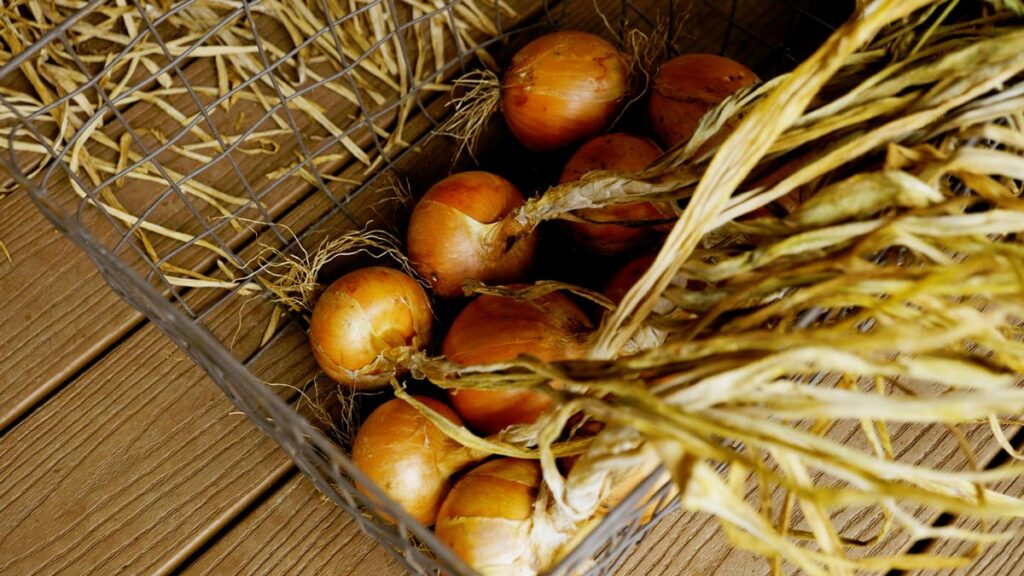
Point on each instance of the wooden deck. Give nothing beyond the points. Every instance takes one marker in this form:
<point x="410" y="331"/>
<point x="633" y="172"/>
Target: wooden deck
<point x="119" y="456"/>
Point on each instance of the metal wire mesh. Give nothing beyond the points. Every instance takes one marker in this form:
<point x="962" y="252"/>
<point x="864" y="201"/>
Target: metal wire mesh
<point x="328" y="136"/>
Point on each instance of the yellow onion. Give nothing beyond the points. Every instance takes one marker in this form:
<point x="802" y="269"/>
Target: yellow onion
<point x="362" y="315"/>
<point x="409" y="458"/>
<point x="486" y="519"/>
<point x="563" y="87"/>
<point x="687" y="87"/>
<point x="605" y="232"/>
<point x="458" y="232"/>
<point x="497" y="328"/>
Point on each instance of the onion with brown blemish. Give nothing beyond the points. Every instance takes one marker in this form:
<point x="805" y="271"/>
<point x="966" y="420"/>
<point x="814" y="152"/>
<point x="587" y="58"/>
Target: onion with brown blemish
<point x="460" y="231"/>
<point x="689" y="86"/>
<point x="562" y="88"/>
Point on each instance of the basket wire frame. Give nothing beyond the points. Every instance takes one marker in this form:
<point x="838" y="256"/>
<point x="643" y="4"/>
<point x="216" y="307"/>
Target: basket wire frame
<point x="137" y="278"/>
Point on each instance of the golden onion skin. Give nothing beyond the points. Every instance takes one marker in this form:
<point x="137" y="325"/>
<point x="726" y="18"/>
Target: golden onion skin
<point x="562" y="88"/>
<point x="363" y="314"/>
<point x="486" y="517"/>
<point x="457" y="233"/>
<point x="687" y="87"/>
<point x="408" y="457"/>
<point x="496" y="328"/>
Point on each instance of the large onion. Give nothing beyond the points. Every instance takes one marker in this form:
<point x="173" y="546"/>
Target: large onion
<point x="409" y="458"/>
<point x="563" y="87"/>
<point x="497" y="328"/>
<point x="687" y="87"/>
<point x="364" y="314"/>
<point x="605" y="233"/>
<point x="486" y="519"/>
<point x="457" y="233"/>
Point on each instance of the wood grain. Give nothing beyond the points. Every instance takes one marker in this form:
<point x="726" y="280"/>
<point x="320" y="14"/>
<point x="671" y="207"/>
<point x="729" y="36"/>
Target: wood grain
<point x="1004" y="558"/>
<point x="57" y="313"/>
<point x="295" y="531"/>
<point x="124" y="465"/>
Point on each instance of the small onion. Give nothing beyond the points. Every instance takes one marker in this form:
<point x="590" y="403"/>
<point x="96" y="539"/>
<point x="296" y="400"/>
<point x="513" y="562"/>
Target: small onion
<point x="409" y="458"/>
<point x="486" y="519"/>
<point x="458" y="231"/>
<point x="496" y="328"/>
<point x="563" y="87"/>
<point x="687" y="87"/>
<point x="364" y="314"/>
<point x="622" y="153"/>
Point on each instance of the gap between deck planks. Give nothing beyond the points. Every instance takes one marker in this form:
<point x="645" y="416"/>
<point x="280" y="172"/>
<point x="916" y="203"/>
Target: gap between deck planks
<point x="295" y="531"/>
<point x="1000" y="559"/>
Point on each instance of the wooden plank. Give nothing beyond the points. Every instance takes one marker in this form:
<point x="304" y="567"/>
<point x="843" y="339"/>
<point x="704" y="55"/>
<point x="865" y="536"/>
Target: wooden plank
<point x="44" y="340"/>
<point x="295" y="531"/>
<point x="124" y="465"/>
<point x="1001" y="559"/>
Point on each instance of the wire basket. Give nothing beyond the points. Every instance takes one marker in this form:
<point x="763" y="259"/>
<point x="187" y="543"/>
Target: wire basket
<point x="171" y="141"/>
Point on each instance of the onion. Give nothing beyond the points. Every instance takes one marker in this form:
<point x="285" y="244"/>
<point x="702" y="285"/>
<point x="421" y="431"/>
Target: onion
<point x="458" y="231"/>
<point x="409" y="458"/>
<point x="621" y="153"/>
<point x="497" y="328"/>
<point x="362" y="315"/>
<point x="687" y="87"/>
<point x="563" y="87"/>
<point x="621" y="282"/>
<point x="626" y="277"/>
<point x="486" y="519"/>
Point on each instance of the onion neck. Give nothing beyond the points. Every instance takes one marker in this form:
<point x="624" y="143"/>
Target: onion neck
<point x="460" y="458"/>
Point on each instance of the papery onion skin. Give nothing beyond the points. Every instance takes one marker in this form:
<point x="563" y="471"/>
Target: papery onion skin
<point x="408" y="457"/>
<point x="563" y="87"/>
<point x="687" y="87"/>
<point x="619" y="152"/>
<point x="496" y="328"/>
<point x="457" y="233"/>
<point x="363" y="314"/>
<point x="486" y="517"/>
